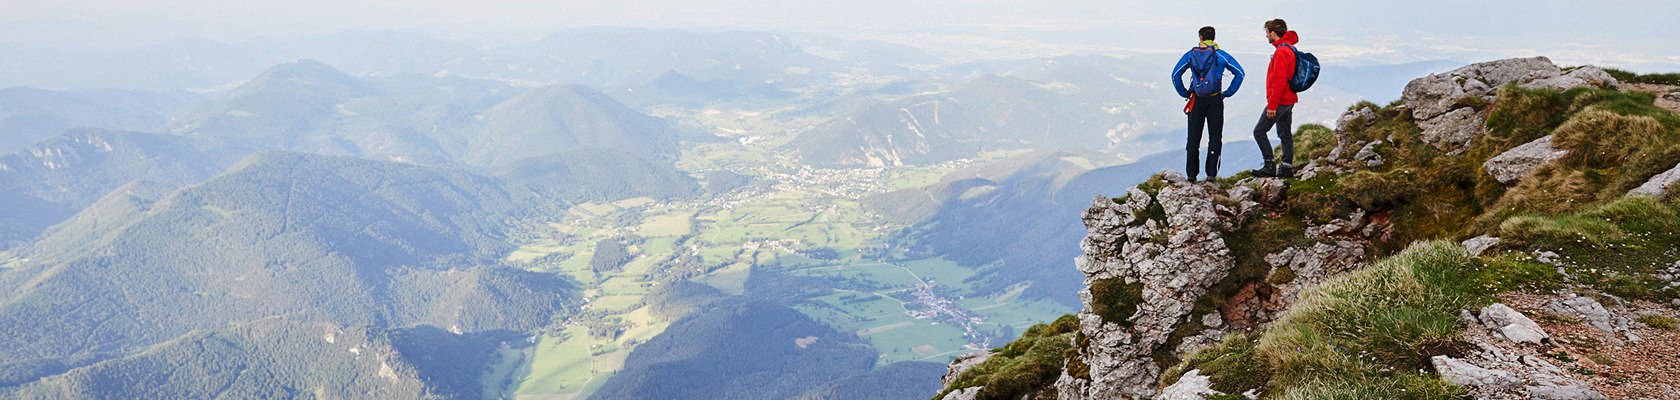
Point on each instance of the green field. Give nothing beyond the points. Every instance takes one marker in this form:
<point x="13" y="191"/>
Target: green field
<point x="559" y="366"/>
<point x="763" y="229"/>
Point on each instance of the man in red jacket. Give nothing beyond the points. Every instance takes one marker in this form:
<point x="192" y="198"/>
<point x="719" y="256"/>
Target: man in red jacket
<point x="1280" y="102"/>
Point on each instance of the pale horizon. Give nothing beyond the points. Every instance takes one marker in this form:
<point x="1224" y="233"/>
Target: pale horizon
<point x="1351" y="34"/>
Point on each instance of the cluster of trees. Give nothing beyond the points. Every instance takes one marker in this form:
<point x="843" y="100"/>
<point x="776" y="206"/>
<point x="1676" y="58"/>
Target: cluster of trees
<point x="611" y="254"/>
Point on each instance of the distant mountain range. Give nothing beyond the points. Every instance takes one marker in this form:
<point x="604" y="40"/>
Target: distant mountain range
<point x="304" y="238"/>
<point x="56" y="178"/>
<point x="29" y="115"/>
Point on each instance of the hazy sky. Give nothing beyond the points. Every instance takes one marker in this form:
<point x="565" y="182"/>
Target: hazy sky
<point x="1629" y="33"/>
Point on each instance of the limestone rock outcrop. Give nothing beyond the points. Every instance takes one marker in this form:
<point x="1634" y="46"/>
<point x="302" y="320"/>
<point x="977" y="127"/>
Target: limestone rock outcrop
<point x="1174" y="257"/>
<point x="1446" y="105"/>
<point x="1518" y="162"/>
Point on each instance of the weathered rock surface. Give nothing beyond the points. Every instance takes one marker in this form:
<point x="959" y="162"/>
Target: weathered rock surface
<point x="1454" y="130"/>
<point x="1501" y="369"/>
<point x="1445" y="105"/>
<point x="1190" y="387"/>
<point x="1174" y="260"/>
<point x="964" y="394"/>
<point x="1479" y="244"/>
<point x="1309" y="266"/>
<point x="1437" y="94"/>
<point x="1368" y="154"/>
<point x="963" y="364"/>
<point x="1511" y="324"/>
<point x="1595" y="314"/>
<point x="1518" y="162"/>
<point x="1469" y="375"/>
<point x="1659" y="185"/>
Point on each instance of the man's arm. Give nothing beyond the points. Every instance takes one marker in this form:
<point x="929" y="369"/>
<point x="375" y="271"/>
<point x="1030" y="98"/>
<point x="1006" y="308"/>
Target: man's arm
<point x="1236" y="72"/>
<point x="1178" y="75"/>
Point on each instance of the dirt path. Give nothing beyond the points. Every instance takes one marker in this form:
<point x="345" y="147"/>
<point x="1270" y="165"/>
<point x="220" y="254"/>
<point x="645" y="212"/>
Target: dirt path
<point x="1663" y="92"/>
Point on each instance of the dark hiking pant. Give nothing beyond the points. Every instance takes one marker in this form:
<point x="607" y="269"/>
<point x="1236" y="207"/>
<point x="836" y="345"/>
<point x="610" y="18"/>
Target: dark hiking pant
<point x="1208" y="111"/>
<point x="1283" y="132"/>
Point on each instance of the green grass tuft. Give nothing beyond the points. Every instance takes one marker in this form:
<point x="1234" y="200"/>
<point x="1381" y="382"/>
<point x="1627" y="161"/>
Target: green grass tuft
<point x="1026" y="367"/>
<point x="1617" y="247"/>
<point x="1366" y="332"/>
<point x="1313" y="141"/>
<point x="1656" y="79"/>
<point x="1115" y="300"/>
<point x="1663" y="322"/>
<point x="1232" y="366"/>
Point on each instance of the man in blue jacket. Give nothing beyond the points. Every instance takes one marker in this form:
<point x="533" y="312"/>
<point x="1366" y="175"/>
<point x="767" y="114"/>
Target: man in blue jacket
<point x="1207" y="65"/>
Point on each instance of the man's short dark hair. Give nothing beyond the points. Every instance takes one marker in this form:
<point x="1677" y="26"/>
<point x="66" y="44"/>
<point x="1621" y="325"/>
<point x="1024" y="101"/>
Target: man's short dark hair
<point x="1206" y="33"/>
<point x="1277" y="26"/>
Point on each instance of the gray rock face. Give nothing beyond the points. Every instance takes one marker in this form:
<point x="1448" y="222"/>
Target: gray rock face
<point x="963" y="364"/>
<point x="1518" y="162"/>
<point x="1454" y="130"/>
<point x="1511" y="324"/>
<point x="1595" y="314"/>
<point x="1436" y="94"/>
<point x="1469" y="375"/>
<point x="1441" y="103"/>
<point x="1659" y="185"/>
<point x="1312" y="265"/>
<point x="1500" y="369"/>
<point x="964" y="394"/>
<point x="1579" y="77"/>
<point x="1359" y="116"/>
<point x="1190" y="387"/>
<point x="1479" y="244"/>
<point x="1174" y="260"/>
<point x="1368" y="154"/>
<point x="1550" y="382"/>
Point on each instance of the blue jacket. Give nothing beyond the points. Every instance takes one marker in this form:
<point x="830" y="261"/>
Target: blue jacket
<point x="1224" y="61"/>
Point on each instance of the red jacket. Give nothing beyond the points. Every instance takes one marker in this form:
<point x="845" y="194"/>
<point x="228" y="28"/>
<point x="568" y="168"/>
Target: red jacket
<point x="1279" y="71"/>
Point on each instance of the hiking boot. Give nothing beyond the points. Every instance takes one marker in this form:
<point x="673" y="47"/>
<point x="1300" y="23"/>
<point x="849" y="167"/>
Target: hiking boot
<point x="1210" y="179"/>
<point x="1285" y="171"/>
<point x="1265" y="172"/>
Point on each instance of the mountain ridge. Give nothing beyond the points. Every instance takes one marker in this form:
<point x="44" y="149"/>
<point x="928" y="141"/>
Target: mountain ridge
<point x="1253" y="286"/>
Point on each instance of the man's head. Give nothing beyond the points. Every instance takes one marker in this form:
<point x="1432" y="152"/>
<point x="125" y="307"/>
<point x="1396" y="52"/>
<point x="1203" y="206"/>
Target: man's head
<point x="1206" y="33"/>
<point x="1275" y="29"/>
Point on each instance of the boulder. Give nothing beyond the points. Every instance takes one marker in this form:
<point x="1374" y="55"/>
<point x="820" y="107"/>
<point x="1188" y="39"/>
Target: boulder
<point x="1593" y="313"/>
<point x="964" y="394"/>
<point x="1442" y="104"/>
<point x="1576" y="390"/>
<point x="1518" y="162"/>
<point x="1479" y="244"/>
<point x="1659" y="185"/>
<point x="1437" y="94"/>
<point x="1357" y="117"/>
<point x="1513" y="325"/>
<point x="1368" y="154"/>
<point x="1469" y="375"/>
<point x="1579" y="77"/>
<point x="1192" y="386"/>
<point x="1313" y="264"/>
<point x="1453" y="131"/>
